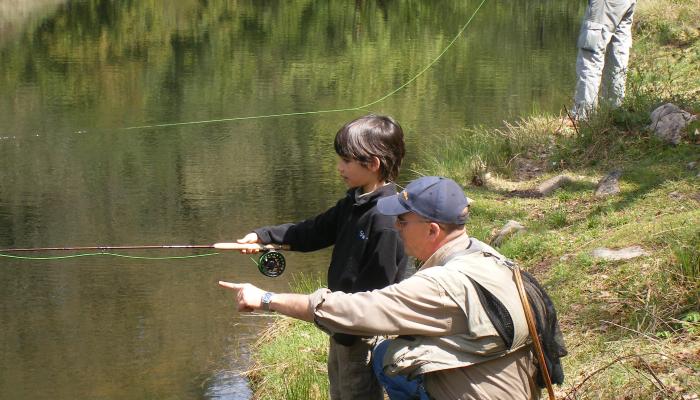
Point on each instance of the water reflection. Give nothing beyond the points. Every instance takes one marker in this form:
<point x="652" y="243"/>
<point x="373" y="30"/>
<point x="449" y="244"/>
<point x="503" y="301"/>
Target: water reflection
<point x="75" y="73"/>
<point x="230" y="384"/>
<point x="226" y="385"/>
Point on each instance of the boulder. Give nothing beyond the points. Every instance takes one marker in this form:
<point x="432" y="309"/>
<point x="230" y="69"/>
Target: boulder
<point x="668" y="120"/>
<point x="609" y="184"/>
<point x="510" y="228"/>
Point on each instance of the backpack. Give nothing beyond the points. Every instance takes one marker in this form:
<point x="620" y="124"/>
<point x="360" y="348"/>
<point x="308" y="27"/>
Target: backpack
<point x="550" y="335"/>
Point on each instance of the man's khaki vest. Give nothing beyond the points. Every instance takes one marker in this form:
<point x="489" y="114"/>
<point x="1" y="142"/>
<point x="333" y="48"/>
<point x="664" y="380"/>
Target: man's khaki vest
<point x="421" y="354"/>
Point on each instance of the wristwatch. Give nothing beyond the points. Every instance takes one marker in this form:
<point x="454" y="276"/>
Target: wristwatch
<point x="266" y="299"/>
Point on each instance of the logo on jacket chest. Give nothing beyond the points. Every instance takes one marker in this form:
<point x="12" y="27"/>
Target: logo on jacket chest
<point x="362" y="235"/>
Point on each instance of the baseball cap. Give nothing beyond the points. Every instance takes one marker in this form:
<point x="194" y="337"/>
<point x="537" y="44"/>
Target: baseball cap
<point x="433" y="197"/>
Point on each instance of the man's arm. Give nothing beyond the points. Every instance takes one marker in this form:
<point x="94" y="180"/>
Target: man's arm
<point x="249" y="298"/>
<point x="415" y="306"/>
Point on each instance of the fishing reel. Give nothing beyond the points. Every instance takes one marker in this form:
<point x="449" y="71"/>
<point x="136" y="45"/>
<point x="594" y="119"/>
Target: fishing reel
<point x="271" y="263"/>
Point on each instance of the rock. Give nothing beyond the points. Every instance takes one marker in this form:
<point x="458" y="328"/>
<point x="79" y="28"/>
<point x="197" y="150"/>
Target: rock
<point x="527" y="193"/>
<point x="482" y="179"/>
<point x="621" y="254"/>
<point x="690" y="396"/>
<point x="609" y="184"/>
<point x="526" y="169"/>
<point x="550" y="185"/>
<point x="510" y="228"/>
<point x="544" y="189"/>
<point x="691" y="165"/>
<point x="675" y="196"/>
<point x="667" y="122"/>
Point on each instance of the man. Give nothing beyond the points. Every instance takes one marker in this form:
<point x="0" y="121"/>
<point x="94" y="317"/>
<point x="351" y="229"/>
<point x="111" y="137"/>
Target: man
<point x="449" y="342"/>
<point x="604" y="43"/>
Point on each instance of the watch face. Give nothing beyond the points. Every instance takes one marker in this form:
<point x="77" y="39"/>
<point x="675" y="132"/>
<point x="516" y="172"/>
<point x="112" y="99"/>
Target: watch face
<point x="266" y="301"/>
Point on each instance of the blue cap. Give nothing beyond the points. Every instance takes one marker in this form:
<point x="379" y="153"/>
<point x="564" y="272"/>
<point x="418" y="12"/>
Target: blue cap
<point x="433" y="197"/>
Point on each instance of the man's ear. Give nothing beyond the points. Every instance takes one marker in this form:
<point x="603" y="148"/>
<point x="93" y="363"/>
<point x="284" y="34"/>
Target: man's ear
<point x="374" y="164"/>
<point x="434" y="230"/>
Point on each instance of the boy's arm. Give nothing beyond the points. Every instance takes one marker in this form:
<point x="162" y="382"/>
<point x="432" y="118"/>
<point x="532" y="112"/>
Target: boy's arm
<point x="308" y="235"/>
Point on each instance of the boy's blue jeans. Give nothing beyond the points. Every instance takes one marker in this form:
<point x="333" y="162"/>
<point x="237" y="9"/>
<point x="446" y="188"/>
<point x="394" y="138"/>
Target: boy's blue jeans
<point x="398" y="387"/>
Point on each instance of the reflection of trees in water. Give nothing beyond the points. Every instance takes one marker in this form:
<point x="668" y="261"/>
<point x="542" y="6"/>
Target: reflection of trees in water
<point x="102" y="63"/>
<point x="15" y="15"/>
<point x="223" y="49"/>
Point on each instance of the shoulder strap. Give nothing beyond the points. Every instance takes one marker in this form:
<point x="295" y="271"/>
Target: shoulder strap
<point x="533" y="332"/>
<point x="497" y="312"/>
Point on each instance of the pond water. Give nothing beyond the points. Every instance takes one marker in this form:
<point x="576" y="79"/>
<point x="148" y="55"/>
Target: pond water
<point x="75" y="74"/>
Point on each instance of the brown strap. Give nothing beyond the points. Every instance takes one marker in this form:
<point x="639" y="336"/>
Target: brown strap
<point x="533" y="331"/>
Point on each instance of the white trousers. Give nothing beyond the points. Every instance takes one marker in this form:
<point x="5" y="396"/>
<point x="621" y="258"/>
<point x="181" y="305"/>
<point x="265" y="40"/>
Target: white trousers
<point x="603" y="54"/>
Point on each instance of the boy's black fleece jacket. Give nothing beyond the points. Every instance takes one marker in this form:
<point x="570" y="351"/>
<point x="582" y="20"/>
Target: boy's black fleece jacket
<point x="368" y="252"/>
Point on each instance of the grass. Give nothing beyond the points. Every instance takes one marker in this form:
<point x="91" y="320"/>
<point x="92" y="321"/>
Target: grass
<point x="290" y="362"/>
<point x="685" y="251"/>
<point x="632" y="327"/>
<point x="290" y="356"/>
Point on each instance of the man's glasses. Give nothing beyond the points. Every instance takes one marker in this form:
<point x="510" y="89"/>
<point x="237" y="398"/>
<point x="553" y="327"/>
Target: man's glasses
<point x="402" y="223"/>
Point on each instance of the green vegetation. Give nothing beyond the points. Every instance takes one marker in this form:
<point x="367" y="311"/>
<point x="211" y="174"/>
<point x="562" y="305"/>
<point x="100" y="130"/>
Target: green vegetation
<point x="632" y="326"/>
<point x="294" y="359"/>
<point x="290" y="356"/>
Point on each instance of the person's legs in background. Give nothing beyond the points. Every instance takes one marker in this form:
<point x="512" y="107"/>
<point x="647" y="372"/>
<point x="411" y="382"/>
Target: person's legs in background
<point x="589" y="70"/>
<point x="615" y="77"/>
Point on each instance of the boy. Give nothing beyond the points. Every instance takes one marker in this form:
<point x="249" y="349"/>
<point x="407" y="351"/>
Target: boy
<point x="368" y="252"/>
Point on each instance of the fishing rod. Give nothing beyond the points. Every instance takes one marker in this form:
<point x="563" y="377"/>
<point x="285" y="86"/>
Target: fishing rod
<point x="271" y="262"/>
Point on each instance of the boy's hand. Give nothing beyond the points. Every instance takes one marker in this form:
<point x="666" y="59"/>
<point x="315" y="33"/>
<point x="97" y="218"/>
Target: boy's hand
<point x="252" y="237"/>
<point x="248" y="297"/>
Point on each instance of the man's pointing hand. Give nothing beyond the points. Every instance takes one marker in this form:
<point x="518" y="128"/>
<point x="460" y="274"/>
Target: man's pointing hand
<point x="248" y="297"/>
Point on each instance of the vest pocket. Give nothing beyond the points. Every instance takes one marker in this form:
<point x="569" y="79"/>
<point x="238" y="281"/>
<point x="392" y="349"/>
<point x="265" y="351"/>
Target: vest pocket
<point x="591" y="36"/>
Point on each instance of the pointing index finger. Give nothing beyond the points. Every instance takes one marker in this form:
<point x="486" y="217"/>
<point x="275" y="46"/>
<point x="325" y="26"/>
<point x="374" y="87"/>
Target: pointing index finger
<point x="231" y="285"/>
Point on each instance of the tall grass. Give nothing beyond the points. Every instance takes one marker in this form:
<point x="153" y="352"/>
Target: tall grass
<point x="476" y="152"/>
<point x="290" y="355"/>
<point x="687" y="254"/>
<point x="669" y="22"/>
<point x="290" y="362"/>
